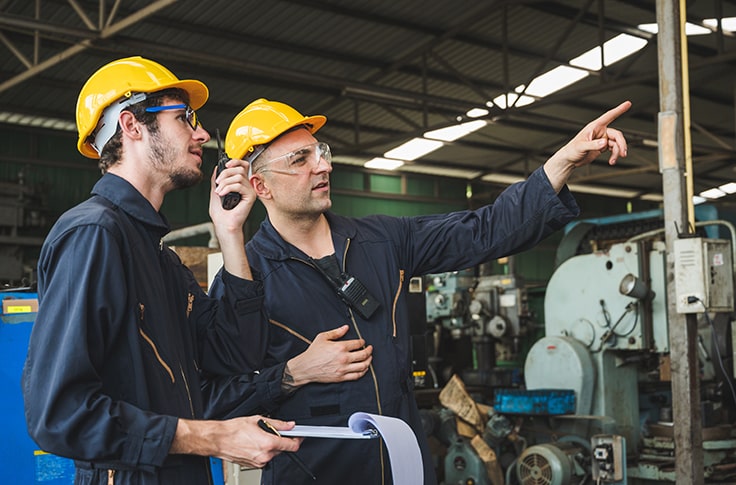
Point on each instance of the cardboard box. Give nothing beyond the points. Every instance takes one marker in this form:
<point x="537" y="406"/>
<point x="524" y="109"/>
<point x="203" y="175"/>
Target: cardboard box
<point x="195" y="258"/>
<point x="24" y="305"/>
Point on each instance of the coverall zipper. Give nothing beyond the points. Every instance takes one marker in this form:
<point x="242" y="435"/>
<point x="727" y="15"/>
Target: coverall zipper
<point x="158" y="356"/>
<point x="373" y="371"/>
<point x="396" y="300"/>
<point x="186" y="386"/>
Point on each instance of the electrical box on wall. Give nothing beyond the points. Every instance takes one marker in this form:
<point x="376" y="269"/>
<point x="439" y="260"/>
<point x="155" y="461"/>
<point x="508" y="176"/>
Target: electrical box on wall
<point x="703" y="275"/>
<point x="608" y="463"/>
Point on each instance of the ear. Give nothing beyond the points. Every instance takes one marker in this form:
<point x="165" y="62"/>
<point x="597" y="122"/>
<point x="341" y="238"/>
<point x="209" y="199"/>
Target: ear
<point x="130" y="126"/>
<point x="260" y="187"/>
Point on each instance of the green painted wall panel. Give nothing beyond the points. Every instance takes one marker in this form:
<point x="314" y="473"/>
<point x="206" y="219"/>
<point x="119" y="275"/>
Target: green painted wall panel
<point x="347" y="179"/>
<point x="388" y="184"/>
<point x="50" y="163"/>
<point x="420" y="187"/>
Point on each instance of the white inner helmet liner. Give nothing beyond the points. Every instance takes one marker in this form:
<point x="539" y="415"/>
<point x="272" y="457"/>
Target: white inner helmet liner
<point x="108" y="124"/>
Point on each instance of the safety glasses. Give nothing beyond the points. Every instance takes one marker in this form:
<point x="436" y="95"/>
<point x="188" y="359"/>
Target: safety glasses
<point x="189" y="114"/>
<point x="299" y="161"/>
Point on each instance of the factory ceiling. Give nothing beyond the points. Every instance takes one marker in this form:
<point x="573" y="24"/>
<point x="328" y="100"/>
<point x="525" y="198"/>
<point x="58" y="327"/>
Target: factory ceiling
<point x="387" y="71"/>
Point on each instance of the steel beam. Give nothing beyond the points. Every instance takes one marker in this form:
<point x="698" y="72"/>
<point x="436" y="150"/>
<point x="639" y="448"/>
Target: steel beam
<point x="87" y="43"/>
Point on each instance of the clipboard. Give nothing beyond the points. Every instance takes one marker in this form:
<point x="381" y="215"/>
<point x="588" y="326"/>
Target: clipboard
<point x="306" y="431"/>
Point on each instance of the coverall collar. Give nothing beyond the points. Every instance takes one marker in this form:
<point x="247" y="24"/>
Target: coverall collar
<point x="121" y="193"/>
<point x="270" y="244"/>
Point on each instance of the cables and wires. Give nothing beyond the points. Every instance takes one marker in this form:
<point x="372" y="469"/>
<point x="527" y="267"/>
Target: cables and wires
<point x="611" y="329"/>
<point x="726" y="375"/>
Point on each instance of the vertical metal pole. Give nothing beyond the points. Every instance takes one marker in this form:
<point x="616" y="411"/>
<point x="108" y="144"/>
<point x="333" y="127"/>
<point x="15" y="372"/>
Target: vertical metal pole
<point x="676" y="167"/>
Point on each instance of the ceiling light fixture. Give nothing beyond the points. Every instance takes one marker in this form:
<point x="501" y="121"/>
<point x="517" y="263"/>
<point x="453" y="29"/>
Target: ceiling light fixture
<point x="511" y="98"/>
<point x="452" y="133"/>
<point x="690" y="29"/>
<point x="38" y="121"/>
<point x="413" y="149"/>
<point x="727" y="23"/>
<point x="477" y="112"/>
<point x="552" y="81"/>
<point x="729" y="188"/>
<point x="623" y="45"/>
<point x="699" y="200"/>
<point x="383" y="164"/>
<point x="713" y="193"/>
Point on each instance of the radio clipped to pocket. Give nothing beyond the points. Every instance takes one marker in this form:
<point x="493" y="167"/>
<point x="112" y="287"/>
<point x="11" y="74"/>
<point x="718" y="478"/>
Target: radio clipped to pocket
<point x="349" y="288"/>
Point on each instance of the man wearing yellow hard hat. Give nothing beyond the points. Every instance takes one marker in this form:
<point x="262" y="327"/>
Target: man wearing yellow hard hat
<point x="122" y="357"/>
<point x="336" y="287"/>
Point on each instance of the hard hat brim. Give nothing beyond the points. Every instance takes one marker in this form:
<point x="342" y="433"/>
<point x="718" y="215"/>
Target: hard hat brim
<point x="314" y="122"/>
<point x="197" y="91"/>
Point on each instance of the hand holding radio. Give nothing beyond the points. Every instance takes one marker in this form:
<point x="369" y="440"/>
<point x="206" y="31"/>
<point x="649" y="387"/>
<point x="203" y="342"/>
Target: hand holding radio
<point x="230" y="200"/>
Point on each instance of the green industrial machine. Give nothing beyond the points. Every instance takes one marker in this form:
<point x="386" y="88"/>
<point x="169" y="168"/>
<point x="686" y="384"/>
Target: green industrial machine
<point x="606" y="340"/>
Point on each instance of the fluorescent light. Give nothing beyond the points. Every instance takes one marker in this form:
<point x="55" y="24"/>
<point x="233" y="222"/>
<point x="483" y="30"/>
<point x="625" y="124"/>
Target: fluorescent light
<point x="476" y="112"/>
<point x="503" y="179"/>
<point x="649" y="143"/>
<point x="413" y="149"/>
<point x="28" y="120"/>
<point x="729" y="188"/>
<point x="698" y="199"/>
<point x="452" y="133"/>
<point x="690" y="29"/>
<point x="623" y="45"/>
<point x="383" y="164"/>
<point x="727" y="23"/>
<point x="652" y="197"/>
<point x="500" y="101"/>
<point x="591" y="189"/>
<point x="554" y="80"/>
<point x="587" y="189"/>
<point x="713" y="193"/>
<point x="442" y="171"/>
<point x="652" y="28"/>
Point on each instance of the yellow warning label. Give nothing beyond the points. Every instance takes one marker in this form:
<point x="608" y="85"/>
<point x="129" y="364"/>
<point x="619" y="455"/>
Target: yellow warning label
<point x="19" y="309"/>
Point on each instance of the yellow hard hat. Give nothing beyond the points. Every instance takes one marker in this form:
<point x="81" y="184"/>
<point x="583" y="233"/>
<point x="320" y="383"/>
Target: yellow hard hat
<point x="122" y="80"/>
<point x="261" y="122"/>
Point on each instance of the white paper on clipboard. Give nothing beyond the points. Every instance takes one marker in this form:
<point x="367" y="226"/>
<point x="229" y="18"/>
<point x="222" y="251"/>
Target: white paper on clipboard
<point x="401" y="443"/>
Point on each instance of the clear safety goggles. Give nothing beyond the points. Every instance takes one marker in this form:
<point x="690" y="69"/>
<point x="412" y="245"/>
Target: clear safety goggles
<point x="301" y="160"/>
<point x="189" y="113"/>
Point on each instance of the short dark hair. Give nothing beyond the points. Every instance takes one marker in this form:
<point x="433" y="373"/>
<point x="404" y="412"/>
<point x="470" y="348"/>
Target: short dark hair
<point x="113" y="149"/>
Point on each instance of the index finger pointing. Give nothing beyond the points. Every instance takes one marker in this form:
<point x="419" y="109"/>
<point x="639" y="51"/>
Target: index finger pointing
<point x="609" y="116"/>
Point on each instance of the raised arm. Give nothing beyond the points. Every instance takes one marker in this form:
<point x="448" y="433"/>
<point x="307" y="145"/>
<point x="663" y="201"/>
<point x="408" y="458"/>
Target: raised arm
<point x="229" y="223"/>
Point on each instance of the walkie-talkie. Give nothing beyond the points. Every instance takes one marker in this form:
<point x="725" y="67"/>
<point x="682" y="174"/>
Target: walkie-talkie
<point x="233" y="198"/>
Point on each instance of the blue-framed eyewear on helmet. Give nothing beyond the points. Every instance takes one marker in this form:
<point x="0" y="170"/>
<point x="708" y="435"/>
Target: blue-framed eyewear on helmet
<point x="190" y="114"/>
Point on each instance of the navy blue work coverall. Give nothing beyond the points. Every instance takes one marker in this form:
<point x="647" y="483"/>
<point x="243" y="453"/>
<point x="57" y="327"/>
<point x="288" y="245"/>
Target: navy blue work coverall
<point x="383" y="253"/>
<point x="124" y="339"/>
